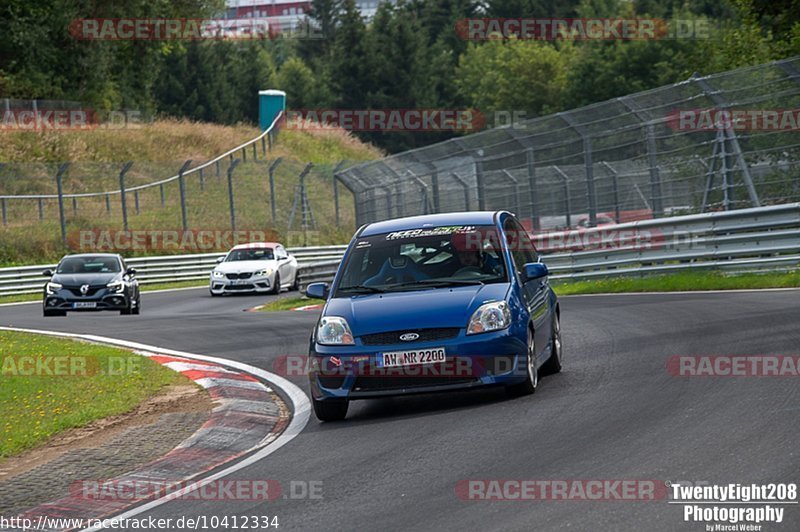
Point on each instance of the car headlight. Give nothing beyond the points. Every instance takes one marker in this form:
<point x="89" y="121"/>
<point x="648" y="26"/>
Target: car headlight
<point x="264" y="273"/>
<point x="116" y="286"/>
<point x="333" y="330"/>
<point x="52" y="288"/>
<point x="217" y="275"/>
<point x="489" y="317"/>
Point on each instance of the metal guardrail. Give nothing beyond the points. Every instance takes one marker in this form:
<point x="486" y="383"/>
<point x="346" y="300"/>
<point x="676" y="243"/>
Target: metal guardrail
<point x="758" y="239"/>
<point x="164" y="269"/>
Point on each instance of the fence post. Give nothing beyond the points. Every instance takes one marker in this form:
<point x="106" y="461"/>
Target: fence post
<point x="108" y="203"/>
<point x="231" y="168"/>
<point x="161" y="190"/>
<point x="588" y="165"/>
<point x="244" y="155"/>
<point x="202" y="181"/>
<point x="530" y="163"/>
<point x="336" y="189"/>
<point x="41" y="209"/>
<point x="264" y="146"/>
<point x="218" y="171"/>
<point x="514" y="181"/>
<point x="425" y="194"/>
<point x="614" y="188"/>
<point x="437" y="200"/>
<point x="655" y="174"/>
<point x="5" y="219"/>
<point x="479" y="181"/>
<point x="271" y="172"/>
<point x="75" y="206"/>
<point x="61" y="215"/>
<point x="590" y="189"/>
<point x="465" y="186"/>
<point x="123" y="200"/>
<point x="567" y="206"/>
<point x="136" y="200"/>
<point x="182" y="187"/>
<point x="255" y="153"/>
<point x="652" y="156"/>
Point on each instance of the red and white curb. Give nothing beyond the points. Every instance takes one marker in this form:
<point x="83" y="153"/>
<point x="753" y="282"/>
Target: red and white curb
<point x="248" y="419"/>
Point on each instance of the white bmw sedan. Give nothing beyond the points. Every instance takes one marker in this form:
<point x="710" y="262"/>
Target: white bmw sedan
<point x="260" y="267"/>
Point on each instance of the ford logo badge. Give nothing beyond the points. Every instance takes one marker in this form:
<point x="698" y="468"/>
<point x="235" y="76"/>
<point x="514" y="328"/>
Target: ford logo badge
<point x="409" y="337"/>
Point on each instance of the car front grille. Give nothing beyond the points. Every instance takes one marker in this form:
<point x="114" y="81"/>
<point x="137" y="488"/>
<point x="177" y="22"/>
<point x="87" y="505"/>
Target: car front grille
<point x="233" y="276"/>
<point x="76" y="290"/>
<point x="425" y="335"/>
<point x="239" y="287"/>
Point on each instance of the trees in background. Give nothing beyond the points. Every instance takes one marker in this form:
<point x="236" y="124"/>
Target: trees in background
<point x="409" y="56"/>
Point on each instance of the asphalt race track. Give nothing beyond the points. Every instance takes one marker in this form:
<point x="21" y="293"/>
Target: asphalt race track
<point x="614" y="413"/>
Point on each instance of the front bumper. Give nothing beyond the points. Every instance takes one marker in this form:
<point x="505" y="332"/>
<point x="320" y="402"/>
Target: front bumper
<point x="251" y="284"/>
<point x="352" y="372"/>
<point x="102" y="300"/>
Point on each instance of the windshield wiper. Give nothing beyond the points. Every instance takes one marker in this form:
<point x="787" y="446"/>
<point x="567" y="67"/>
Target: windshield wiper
<point x="361" y="289"/>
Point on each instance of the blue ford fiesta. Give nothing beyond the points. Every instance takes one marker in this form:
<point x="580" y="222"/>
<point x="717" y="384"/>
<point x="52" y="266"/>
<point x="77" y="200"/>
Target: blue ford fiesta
<point x="434" y="303"/>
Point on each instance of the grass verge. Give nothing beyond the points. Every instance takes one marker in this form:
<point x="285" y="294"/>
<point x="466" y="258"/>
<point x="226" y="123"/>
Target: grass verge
<point x="288" y="303"/>
<point x="679" y="282"/>
<point x="48" y="385"/>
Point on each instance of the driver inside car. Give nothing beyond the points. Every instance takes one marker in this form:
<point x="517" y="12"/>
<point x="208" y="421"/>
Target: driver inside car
<point x="470" y="254"/>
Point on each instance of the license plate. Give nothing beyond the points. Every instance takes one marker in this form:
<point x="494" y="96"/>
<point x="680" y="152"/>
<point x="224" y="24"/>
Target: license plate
<point x="85" y="304"/>
<point x="418" y="357"/>
<point x="238" y="282"/>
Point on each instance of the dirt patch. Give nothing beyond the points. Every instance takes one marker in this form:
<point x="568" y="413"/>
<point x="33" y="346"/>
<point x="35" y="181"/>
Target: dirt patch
<point x="174" y="399"/>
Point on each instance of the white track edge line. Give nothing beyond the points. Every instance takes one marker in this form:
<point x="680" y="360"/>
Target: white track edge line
<point x="300" y="405"/>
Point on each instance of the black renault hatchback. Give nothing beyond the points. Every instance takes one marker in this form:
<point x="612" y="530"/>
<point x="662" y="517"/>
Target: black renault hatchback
<point x="91" y="282"/>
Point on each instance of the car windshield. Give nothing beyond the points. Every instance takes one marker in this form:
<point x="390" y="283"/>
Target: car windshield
<point x="428" y="257"/>
<point x="89" y="265"/>
<point x="250" y="254"/>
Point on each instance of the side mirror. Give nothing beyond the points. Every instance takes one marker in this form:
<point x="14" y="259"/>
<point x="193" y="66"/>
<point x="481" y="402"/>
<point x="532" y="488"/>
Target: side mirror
<point x="47" y="273"/>
<point x="318" y="290"/>
<point x="131" y="272"/>
<point x="220" y="259"/>
<point x="536" y="270"/>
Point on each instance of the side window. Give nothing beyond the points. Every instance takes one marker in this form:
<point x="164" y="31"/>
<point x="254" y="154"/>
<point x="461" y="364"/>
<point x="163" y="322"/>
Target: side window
<point x="519" y="243"/>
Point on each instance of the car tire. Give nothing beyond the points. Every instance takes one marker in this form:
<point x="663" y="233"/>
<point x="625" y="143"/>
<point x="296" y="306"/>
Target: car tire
<point x="48" y="313"/>
<point x="331" y="409"/>
<point x="529" y="385"/>
<point x="296" y="283"/>
<point x="138" y="308"/>
<point x="553" y="364"/>
<point x="277" y="288"/>
<point x="126" y="311"/>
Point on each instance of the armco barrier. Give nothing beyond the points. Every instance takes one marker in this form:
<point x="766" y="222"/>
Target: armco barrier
<point x="759" y="239"/>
